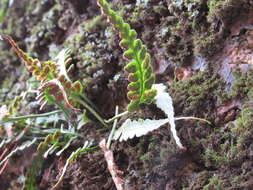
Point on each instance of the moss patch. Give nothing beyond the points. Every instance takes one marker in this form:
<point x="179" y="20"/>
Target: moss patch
<point x="197" y="95"/>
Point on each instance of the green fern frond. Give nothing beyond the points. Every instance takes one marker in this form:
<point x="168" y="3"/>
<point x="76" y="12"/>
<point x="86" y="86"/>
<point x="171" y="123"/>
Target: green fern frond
<point x="139" y="66"/>
<point x="54" y="88"/>
<point x="86" y="147"/>
<point x="38" y="158"/>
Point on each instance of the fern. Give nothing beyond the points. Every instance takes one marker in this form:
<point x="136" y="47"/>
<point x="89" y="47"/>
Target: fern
<point x="34" y="168"/>
<point x="163" y="101"/>
<point x="56" y="87"/>
<point x="43" y="71"/>
<point x="24" y="117"/>
<point x="71" y="159"/>
<point x="50" y="71"/>
<point x="19" y="148"/>
<point x="139" y="66"/>
<point x="50" y="139"/>
<point x="50" y="144"/>
<point x="130" y="129"/>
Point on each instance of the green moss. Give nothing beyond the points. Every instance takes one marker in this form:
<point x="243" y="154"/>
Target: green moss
<point x="227" y="154"/>
<point x="154" y="151"/>
<point x="243" y="85"/>
<point x="208" y="37"/>
<point x="6" y="85"/>
<point x="206" y="45"/>
<point x="224" y="9"/>
<point x="236" y="180"/>
<point x="137" y="14"/>
<point x="214" y="184"/>
<point x="14" y="23"/>
<point x="92" y="53"/>
<point x="214" y="6"/>
<point x="198" y="94"/>
<point x="5" y="6"/>
<point x="243" y="127"/>
<point x="230" y="145"/>
<point x="96" y="24"/>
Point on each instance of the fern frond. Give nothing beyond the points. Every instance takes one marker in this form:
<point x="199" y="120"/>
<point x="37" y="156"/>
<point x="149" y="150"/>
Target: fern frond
<point x="50" y="139"/>
<point x="139" y="66"/>
<point x="37" y="160"/>
<point x="48" y="72"/>
<point x="19" y="148"/>
<point x="71" y="159"/>
<point x="45" y="71"/>
<point x="55" y="71"/>
<point x="39" y="156"/>
<point x="130" y="129"/>
<point x="54" y="88"/>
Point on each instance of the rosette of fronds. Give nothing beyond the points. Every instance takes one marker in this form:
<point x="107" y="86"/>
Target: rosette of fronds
<point x="139" y="67"/>
<point x="56" y="87"/>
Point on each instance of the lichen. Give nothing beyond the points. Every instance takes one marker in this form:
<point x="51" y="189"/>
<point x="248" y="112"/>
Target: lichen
<point x="87" y="49"/>
<point x="43" y="33"/>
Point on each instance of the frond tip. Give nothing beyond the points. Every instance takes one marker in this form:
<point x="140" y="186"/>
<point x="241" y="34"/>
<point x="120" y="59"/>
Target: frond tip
<point x="139" y="67"/>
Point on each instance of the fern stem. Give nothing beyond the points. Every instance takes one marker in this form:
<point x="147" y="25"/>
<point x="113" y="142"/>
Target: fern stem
<point x="86" y="99"/>
<point x="12" y="119"/>
<point x="116" y="117"/>
<point x="193" y="118"/>
<point x="49" y="131"/>
<point x="99" y="118"/>
<point x="142" y="79"/>
<point x="108" y="144"/>
<point x="65" y="112"/>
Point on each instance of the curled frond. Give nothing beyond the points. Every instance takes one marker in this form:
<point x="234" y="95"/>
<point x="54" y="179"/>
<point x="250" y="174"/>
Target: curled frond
<point x="139" y="67"/>
<point x="54" y="88"/>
